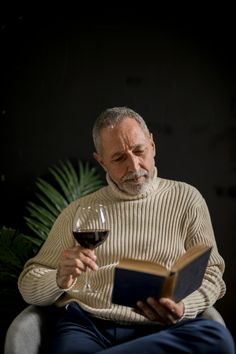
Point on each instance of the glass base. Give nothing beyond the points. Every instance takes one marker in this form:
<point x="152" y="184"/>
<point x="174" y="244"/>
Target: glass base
<point x="88" y="289"/>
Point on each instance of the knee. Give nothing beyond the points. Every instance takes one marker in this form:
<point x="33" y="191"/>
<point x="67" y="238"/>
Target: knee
<point x="220" y="338"/>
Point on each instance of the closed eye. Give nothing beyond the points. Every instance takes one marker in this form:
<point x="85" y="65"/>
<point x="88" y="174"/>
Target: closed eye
<point x="118" y="158"/>
<point x="138" y="152"/>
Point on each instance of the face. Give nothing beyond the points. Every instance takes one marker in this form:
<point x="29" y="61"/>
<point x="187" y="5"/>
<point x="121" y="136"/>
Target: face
<point x="127" y="154"/>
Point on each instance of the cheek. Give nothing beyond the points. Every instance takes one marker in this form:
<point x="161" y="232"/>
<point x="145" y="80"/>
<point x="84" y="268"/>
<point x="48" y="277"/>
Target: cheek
<point x="148" y="163"/>
<point x="117" y="173"/>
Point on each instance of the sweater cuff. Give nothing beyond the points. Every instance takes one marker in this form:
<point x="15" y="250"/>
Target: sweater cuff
<point x="193" y="305"/>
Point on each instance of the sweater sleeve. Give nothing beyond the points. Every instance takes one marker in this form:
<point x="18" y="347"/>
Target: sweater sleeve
<point x="213" y="287"/>
<point x="37" y="282"/>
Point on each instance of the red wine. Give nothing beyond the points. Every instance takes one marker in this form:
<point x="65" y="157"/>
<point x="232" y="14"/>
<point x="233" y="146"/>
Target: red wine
<point x="90" y="239"/>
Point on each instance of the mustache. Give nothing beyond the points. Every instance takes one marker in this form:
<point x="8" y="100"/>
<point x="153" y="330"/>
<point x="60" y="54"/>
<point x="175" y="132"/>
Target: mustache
<point x="133" y="175"/>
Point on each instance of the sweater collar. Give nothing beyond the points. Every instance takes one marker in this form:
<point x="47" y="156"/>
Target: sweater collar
<point x="119" y="194"/>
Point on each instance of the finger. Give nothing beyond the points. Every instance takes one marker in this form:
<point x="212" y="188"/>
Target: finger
<point x="140" y="312"/>
<point x="75" y="256"/>
<point x="176" y="309"/>
<point x="78" y="265"/>
<point x="148" y="312"/>
<point x="71" y="266"/>
<point x="77" y="250"/>
<point x="89" y="253"/>
<point x="88" y="262"/>
<point x="165" y="314"/>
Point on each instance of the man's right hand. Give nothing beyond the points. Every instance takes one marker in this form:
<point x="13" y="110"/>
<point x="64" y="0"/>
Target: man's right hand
<point x="72" y="263"/>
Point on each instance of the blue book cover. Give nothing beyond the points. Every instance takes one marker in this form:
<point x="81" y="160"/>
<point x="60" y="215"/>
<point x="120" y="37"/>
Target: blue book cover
<point x="136" y="280"/>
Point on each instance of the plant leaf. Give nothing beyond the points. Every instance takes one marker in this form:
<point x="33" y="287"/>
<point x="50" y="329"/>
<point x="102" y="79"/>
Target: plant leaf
<point x="52" y="194"/>
<point x="67" y="186"/>
<point x="41" y="213"/>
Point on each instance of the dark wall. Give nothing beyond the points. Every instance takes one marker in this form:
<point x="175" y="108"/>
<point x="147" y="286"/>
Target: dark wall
<point x="60" y="72"/>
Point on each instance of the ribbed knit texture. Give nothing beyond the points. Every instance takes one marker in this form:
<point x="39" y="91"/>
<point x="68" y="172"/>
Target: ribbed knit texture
<point x="156" y="226"/>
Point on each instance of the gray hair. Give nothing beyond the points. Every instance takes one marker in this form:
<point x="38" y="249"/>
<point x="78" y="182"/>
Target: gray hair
<point x="111" y="117"/>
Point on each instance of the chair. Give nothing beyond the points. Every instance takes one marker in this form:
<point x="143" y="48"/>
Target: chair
<point x="31" y="330"/>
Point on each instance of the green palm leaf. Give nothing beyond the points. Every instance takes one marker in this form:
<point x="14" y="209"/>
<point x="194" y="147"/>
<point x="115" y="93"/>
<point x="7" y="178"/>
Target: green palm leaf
<point x="48" y="204"/>
<point x="52" y="194"/>
<point x="88" y="180"/>
<point x="68" y="185"/>
<point x="37" y="227"/>
<point x="44" y="215"/>
<point x="14" y="250"/>
<point x="67" y="179"/>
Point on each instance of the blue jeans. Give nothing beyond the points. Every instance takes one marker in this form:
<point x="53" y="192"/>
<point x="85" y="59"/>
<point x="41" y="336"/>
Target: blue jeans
<point x="79" y="333"/>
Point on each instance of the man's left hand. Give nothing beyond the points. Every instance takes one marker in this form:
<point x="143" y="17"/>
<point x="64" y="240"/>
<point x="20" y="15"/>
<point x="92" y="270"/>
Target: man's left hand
<point x="165" y="311"/>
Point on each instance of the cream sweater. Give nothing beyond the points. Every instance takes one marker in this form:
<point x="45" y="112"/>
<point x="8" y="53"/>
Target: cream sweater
<point x="156" y="226"/>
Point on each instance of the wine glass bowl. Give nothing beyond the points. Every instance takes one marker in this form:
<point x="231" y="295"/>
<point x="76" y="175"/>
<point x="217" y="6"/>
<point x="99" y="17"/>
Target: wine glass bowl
<point x="90" y="238"/>
<point x="90" y="230"/>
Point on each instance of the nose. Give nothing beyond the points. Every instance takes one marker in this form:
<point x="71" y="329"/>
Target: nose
<point x="133" y="163"/>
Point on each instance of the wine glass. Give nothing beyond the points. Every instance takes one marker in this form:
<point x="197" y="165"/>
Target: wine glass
<point x="90" y="229"/>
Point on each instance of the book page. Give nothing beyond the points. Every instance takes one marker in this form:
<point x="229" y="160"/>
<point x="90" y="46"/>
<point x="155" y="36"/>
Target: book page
<point x="190" y="255"/>
<point x="143" y="266"/>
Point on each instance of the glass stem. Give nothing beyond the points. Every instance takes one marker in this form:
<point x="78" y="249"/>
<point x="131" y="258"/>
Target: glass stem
<point x="87" y="286"/>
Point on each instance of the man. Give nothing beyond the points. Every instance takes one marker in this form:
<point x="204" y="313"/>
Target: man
<point x="150" y="218"/>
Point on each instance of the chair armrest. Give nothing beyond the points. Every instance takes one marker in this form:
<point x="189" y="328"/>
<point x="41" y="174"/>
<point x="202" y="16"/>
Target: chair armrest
<point x="24" y="335"/>
<point x="212" y="314"/>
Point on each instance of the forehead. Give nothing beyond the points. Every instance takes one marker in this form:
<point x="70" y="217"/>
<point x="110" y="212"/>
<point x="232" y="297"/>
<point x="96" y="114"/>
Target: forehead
<point x="126" y="134"/>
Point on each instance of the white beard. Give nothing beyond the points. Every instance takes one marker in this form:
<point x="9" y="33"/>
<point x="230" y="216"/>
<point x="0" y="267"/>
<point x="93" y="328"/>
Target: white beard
<point x="129" y="186"/>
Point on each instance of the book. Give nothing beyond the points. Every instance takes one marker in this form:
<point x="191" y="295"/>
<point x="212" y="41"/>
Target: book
<point x="136" y="279"/>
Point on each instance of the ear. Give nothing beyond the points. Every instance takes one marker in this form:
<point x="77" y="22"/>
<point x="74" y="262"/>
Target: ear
<point x="153" y="144"/>
<point x="99" y="159"/>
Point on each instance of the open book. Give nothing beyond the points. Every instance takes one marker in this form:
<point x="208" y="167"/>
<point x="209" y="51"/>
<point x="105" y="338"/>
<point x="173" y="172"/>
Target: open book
<point x="137" y="280"/>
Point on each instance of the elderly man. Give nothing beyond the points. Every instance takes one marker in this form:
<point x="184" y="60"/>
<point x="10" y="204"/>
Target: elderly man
<point x="151" y="218"/>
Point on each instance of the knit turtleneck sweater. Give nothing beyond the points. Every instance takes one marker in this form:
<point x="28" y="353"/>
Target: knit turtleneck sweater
<point x="158" y="225"/>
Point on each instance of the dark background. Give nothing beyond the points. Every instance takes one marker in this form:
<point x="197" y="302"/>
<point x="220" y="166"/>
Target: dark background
<point x="59" y="70"/>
